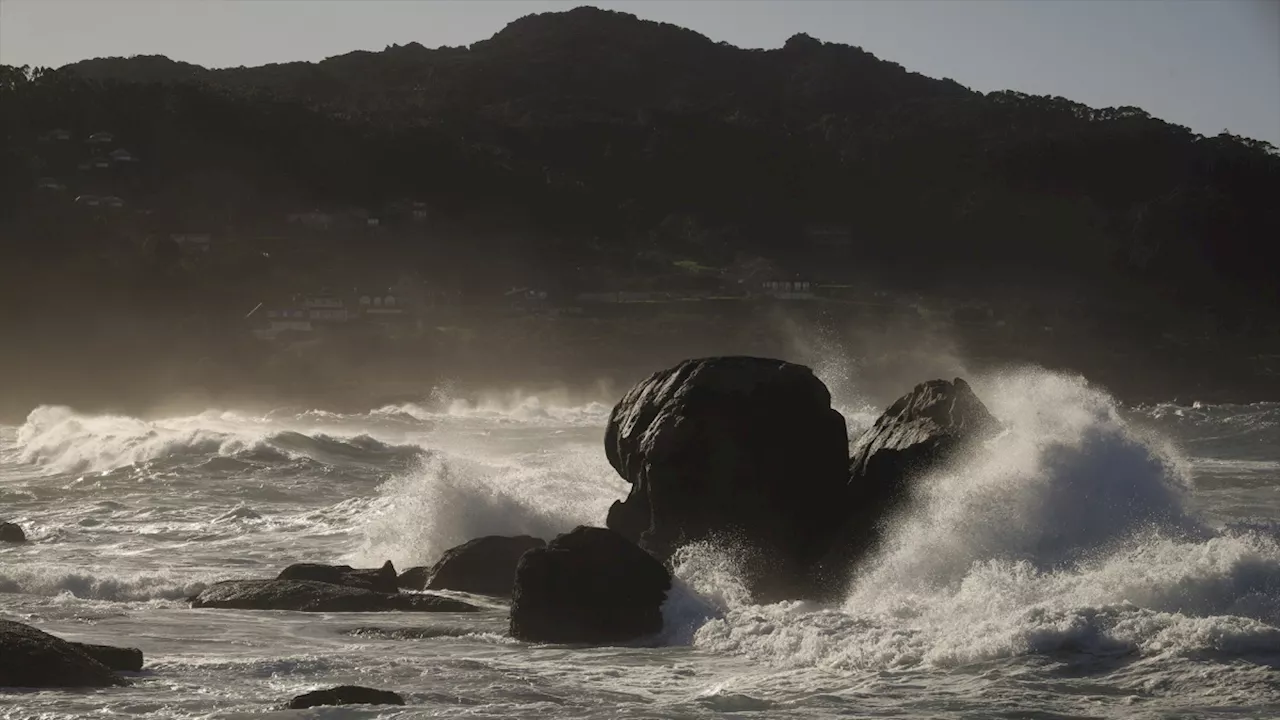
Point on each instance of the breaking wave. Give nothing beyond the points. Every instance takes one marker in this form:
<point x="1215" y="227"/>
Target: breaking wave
<point x="450" y="498"/>
<point x="1067" y="533"/>
<point x="62" y="441"/>
<point x="89" y="585"/>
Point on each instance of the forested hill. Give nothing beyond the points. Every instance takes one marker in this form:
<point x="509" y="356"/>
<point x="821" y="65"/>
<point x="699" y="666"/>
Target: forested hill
<point x="591" y="144"/>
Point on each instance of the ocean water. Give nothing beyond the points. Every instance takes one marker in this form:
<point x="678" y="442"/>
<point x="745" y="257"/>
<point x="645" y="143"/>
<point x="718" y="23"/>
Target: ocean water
<point x="1092" y="560"/>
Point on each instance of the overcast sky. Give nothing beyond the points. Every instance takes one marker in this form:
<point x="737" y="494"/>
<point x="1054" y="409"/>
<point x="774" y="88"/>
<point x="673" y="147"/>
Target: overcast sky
<point x="1208" y="64"/>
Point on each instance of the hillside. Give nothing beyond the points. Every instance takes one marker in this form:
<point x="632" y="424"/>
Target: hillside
<point x="590" y="150"/>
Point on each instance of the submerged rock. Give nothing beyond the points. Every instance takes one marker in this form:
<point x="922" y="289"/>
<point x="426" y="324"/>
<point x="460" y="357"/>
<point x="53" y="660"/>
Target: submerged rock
<point x="345" y="695"/>
<point x="313" y="596"/>
<point x="741" y="448"/>
<point x="122" y="659"/>
<point x="381" y="579"/>
<point x="484" y="566"/>
<point x="590" y="585"/>
<point x="11" y="532"/>
<point x="920" y="432"/>
<point x="31" y="658"/>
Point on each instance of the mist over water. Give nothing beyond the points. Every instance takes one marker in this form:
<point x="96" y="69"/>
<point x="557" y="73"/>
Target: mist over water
<point x="1090" y="559"/>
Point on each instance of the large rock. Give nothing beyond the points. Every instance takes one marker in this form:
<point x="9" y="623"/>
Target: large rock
<point x="12" y="533"/>
<point x="740" y="448"/>
<point x="921" y="432"/>
<point x="122" y="659"/>
<point x="590" y="585"/>
<point x="484" y="566"/>
<point x="31" y="658"/>
<point x="345" y="695"/>
<point x="312" y="596"/>
<point x="381" y="579"/>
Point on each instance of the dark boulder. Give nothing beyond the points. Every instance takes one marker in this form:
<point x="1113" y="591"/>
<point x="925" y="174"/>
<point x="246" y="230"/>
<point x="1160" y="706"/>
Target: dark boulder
<point x="11" y="532"/>
<point x="740" y="448"/>
<point x="484" y="566"/>
<point x="121" y="659"/>
<point x="312" y="596"/>
<point x="590" y="585"/>
<point x="920" y="432"/>
<point x="415" y="578"/>
<point x="31" y="658"/>
<point x="381" y="579"/>
<point x="345" y="695"/>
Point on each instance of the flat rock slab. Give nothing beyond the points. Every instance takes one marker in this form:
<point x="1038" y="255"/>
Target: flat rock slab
<point x="381" y="579"/>
<point x="345" y="695"/>
<point x="121" y="659"/>
<point x="312" y="596"/>
<point x="31" y="658"/>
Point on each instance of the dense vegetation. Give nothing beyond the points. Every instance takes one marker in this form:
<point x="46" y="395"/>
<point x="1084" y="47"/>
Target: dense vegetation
<point x="590" y="148"/>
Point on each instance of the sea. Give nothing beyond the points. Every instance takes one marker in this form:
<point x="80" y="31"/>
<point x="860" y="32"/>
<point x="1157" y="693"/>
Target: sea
<point x="1093" y="560"/>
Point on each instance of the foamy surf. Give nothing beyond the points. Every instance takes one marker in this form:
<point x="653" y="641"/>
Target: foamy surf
<point x="1090" y="560"/>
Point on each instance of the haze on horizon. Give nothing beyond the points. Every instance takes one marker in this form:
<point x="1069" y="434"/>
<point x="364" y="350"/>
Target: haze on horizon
<point x="1207" y="65"/>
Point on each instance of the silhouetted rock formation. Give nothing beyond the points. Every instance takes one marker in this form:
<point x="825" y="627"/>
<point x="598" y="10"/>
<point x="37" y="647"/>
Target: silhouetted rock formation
<point x="121" y="659"/>
<point x="31" y="658"/>
<point x="916" y="433"/>
<point x="484" y="566"/>
<point x="415" y="578"/>
<point x="588" y="586"/>
<point x="919" y="433"/>
<point x="747" y="450"/>
<point x="12" y="533"/>
<point x="312" y="596"/>
<point x="381" y="579"/>
<point x="345" y="695"/>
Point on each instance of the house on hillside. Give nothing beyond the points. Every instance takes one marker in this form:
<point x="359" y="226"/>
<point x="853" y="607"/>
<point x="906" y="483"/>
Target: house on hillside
<point x="391" y="313"/>
<point x="788" y="289"/>
<point x="92" y="201"/>
<point x="324" y="307"/>
<point x="102" y="138"/>
<point x="380" y="303"/>
<point x="271" y="324"/>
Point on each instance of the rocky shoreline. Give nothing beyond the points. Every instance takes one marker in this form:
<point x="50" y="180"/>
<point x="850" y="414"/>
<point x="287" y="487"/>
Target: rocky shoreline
<point x="740" y="450"/>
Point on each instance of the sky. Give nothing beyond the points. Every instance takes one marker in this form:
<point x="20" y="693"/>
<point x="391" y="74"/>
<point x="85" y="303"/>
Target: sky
<point x="1211" y="65"/>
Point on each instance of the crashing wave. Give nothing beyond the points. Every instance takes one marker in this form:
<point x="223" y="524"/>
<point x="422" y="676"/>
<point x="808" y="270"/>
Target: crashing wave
<point x="1066" y="534"/>
<point x="63" y="441"/>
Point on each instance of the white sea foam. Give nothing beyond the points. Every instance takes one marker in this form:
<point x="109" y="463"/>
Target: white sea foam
<point x="1057" y="569"/>
<point x="60" y="440"/>
<point x="1065" y="533"/>
<point x="451" y="498"/>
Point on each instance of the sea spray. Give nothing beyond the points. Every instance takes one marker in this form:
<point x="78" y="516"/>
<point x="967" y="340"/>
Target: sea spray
<point x="452" y="497"/>
<point x="1066" y="533"/>
<point x="706" y="583"/>
<point x="60" y="440"/>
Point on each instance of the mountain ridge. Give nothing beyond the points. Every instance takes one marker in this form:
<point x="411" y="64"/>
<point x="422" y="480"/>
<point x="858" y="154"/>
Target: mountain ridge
<point x="603" y="141"/>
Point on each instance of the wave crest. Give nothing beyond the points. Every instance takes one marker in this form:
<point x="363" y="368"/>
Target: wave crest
<point x="62" y="441"/>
